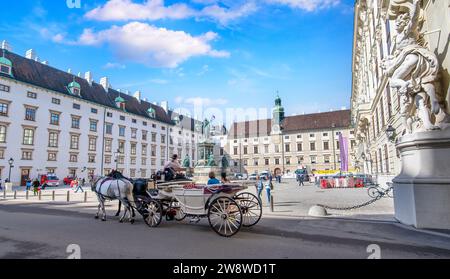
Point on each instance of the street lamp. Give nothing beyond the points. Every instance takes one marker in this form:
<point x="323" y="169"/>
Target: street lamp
<point x="390" y="133"/>
<point x="116" y="158"/>
<point x="11" y="162"/>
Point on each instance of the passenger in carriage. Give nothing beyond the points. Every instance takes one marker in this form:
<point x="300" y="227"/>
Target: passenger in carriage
<point x="212" y="179"/>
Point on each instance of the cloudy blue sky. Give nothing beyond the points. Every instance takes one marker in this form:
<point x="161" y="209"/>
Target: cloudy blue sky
<point x="215" y="53"/>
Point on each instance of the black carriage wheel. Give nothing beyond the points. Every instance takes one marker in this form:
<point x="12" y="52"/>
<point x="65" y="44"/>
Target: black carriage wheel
<point x="251" y="208"/>
<point x="153" y="212"/>
<point x="373" y="192"/>
<point x="225" y="216"/>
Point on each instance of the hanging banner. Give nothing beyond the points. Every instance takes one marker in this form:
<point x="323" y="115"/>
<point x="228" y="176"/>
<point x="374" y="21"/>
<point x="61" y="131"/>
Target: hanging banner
<point x="343" y="143"/>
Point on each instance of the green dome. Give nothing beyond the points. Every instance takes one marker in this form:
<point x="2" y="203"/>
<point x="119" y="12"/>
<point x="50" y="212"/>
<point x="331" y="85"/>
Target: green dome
<point x="151" y="111"/>
<point x="5" y="61"/>
<point x="120" y="100"/>
<point x="74" y="84"/>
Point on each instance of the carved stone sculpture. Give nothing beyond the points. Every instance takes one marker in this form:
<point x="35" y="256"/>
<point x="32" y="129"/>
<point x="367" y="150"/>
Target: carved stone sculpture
<point x="413" y="69"/>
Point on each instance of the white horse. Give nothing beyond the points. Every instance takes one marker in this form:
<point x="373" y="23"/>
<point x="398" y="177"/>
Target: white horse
<point x="114" y="189"/>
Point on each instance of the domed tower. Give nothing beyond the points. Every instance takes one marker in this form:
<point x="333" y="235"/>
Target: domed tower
<point x="277" y="116"/>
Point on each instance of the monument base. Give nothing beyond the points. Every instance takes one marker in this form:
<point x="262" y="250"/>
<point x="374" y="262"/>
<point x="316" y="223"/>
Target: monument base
<point x="422" y="189"/>
<point x="201" y="174"/>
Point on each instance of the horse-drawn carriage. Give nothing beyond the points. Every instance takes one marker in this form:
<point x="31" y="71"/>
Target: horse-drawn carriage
<point x="226" y="206"/>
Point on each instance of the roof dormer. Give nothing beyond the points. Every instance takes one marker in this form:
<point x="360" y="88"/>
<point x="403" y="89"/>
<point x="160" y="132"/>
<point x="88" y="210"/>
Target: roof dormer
<point x="74" y="88"/>
<point x="120" y="103"/>
<point x="151" y="112"/>
<point x="5" y="65"/>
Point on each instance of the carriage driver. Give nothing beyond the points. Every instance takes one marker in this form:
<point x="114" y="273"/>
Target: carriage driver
<point x="173" y="166"/>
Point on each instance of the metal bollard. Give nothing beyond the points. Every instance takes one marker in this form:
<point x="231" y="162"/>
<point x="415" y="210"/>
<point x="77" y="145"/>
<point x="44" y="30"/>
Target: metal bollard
<point x="68" y="196"/>
<point x="26" y="194"/>
<point x="271" y="204"/>
<point x="4" y="192"/>
<point x="15" y="195"/>
<point x="85" y="196"/>
<point x="40" y="195"/>
<point x="53" y="195"/>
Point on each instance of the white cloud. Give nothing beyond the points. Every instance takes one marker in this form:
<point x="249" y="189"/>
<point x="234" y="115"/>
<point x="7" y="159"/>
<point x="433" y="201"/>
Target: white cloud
<point x="152" y="46"/>
<point x="159" y="81"/>
<point x="226" y="15"/>
<point x="308" y="5"/>
<point x="200" y="101"/>
<point x="124" y="10"/>
<point x="111" y="65"/>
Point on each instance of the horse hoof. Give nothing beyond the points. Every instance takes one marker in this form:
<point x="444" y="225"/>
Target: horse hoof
<point x="96" y="217"/>
<point x="120" y="221"/>
<point x="104" y="219"/>
<point x="132" y="222"/>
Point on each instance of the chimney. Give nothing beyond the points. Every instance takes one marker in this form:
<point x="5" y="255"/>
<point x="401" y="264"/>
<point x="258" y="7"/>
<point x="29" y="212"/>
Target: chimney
<point x="79" y="74"/>
<point x="6" y="46"/>
<point x="137" y="95"/>
<point x="104" y="81"/>
<point x="88" y="77"/>
<point x="37" y="59"/>
<point x="31" y="54"/>
<point x="69" y="71"/>
<point x="127" y="92"/>
<point x="145" y="100"/>
<point x="165" y="106"/>
<point x="45" y="62"/>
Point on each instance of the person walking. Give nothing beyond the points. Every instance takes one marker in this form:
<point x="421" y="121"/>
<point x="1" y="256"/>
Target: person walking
<point x="301" y="179"/>
<point x="28" y="184"/>
<point x="80" y="186"/>
<point x="36" y="186"/>
<point x="269" y="191"/>
<point x="259" y="186"/>
<point x="1" y="184"/>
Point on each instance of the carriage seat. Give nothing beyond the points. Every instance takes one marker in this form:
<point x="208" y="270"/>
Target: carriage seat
<point x="140" y="187"/>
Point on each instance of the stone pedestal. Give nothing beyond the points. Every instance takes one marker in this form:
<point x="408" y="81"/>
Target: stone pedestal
<point x="201" y="174"/>
<point x="422" y="189"/>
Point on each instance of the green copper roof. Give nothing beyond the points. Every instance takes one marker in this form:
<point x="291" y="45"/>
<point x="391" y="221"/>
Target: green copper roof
<point x="74" y="84"/>
<point x="5" y="61"/>
<point x="119" y="100"/>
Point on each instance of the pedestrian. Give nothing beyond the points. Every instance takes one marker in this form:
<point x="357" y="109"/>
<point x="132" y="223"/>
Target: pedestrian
<point x="80" y="186"/>
<point x="74" y="182"/>
<point x="301" y="179"/>
<point x="1" y="184"/>
<point x="224" y="178"/>
<point x="28" y="184"/>
<point x="259" y="186"/>
<point x="268" y="191"/>
<point x="36" y="186"/>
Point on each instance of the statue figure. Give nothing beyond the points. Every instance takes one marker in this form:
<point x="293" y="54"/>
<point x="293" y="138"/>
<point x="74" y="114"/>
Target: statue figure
<point x="211" y="161"/>
<point x="225" y="163"/>
<point x="207" y="128"/>
<point x="413" y="68"/>
<point x="187" y="162"/>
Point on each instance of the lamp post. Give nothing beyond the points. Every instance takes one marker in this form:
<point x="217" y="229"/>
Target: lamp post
<point x="11" y="162"/>
<point x="116" y="158"/>
<point x="390" y="133"/>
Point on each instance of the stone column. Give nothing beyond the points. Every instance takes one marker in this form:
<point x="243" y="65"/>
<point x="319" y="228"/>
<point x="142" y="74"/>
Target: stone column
<point x="422" y="189"/>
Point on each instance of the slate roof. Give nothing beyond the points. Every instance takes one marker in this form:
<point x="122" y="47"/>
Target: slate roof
<point x="38" y="74"/>
<point x="292" y="124"/>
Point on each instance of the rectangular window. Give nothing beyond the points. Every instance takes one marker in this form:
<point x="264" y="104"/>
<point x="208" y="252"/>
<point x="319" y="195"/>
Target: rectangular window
<point x="56" y="101"/>
<point x="266" y="162"/>
<point x="54" y="118"/>
<point x="326" y="145"/>
<point x="121" y="147"/>
<point x="313" y="159"/>
<point x="31" y="95"/>
<point x="326" y="159"/>
<point x="93" y="125"/>
<point x="74" y="141"/>
<point x="122" y="118"/>
<point x="299" y="147"/>
<point x="245" y="150"/>
<point x="133" y="149"/>
<point x="122" y="131"/>
<point x="144" y="135"/>
<point x="4" y="109"/>
<point x="75" y="123"/>
<point x="92" y="144"/>
<point x="73" y="158"/>
<point x="28" y="136"/>
<point x="338" y="145"/>
<point x="288" y="161"/>
<point x="91" y="159"/>
<point x="30" y="114"/>
<point x="51" y="156"/>
<point x="108" y="145"/>
<point x="312" y="146"/>
<point x="107" y="159"/>
<point x="133" y="133"/>
<point x="76" y="106"/>
<point x="53" y="139"/>
<point x="277" y="161"/>
<point x="287" y="147"/>
<point x="144" y="123"/>
<point x="27" y="155"/>
<point x="144" y="150"/>
<point x="163" y="139"/>
<point x="108" y="128"/>
<point x="4" y="88"/>
<point x="255" y="149"/>
<point x="134" y="121"/>
<point x="109" y="114"/>
<point x="2" y="133"/>
<point x="94" y="110"/>
<point x="235" y="151"/>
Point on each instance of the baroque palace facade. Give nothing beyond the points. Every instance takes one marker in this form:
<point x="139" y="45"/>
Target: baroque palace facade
<point x="52" y="121"/>
<point x="285" y="144"/>
<point x="375" y="106"/>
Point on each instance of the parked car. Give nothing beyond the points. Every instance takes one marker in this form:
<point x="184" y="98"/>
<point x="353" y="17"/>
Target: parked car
<point x="49" y="180"/>
<point x="238" y="176"/>
<point x="265" y="175"/>
<point x="67" y="180"/>
<point x="253" y="176"/>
